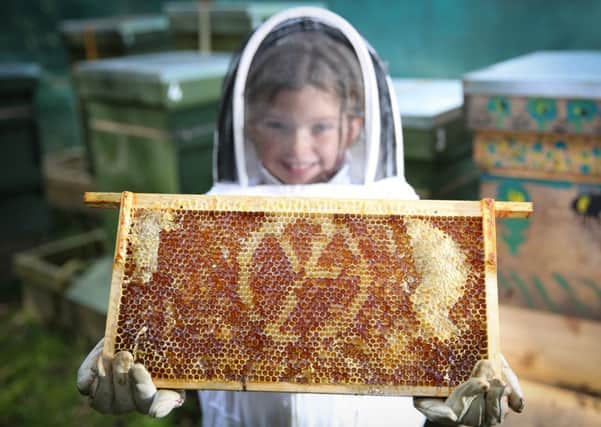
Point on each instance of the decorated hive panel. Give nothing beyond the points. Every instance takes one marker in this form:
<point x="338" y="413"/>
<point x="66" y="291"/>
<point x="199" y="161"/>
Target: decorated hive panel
<point x="531" y="114"/>
<point x="552" y="261"/>
<point x="374" y="297"/>
<point x="539" y="155"/>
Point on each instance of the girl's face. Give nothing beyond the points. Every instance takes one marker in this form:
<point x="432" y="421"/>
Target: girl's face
<point x="301" y="136"/>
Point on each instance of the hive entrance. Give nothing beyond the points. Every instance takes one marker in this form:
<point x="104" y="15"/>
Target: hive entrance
<point x="375" y="297"/>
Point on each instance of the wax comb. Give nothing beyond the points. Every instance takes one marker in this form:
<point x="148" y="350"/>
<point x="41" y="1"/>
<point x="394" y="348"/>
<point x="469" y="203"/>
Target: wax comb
<point x="304" y="294"/>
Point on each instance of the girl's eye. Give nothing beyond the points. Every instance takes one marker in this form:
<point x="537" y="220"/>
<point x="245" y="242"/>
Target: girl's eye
<point x="274" y="125"/>
<point x="321" y="127"/>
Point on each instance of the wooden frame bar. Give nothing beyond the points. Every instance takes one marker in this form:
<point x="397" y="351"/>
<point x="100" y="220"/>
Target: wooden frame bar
<point x="501" y="209"/>
<point x="165" y="210"/>
<point x="123" y="230"/>
<point x="490" y="271"/>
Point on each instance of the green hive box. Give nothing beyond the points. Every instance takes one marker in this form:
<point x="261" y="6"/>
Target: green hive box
<point x="24" y="223"/>
<point x="150" y="120"/>
<point x="437" y="148"/>
<point x="88" y="39"/>
<point x="20" y="148"/>
<point x="24" y="215"/>
<point x="230" y="23"/>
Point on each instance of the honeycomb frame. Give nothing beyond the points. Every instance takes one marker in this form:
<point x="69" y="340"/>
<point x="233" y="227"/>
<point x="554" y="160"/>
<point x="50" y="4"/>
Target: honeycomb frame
<point x="382" y="324"/>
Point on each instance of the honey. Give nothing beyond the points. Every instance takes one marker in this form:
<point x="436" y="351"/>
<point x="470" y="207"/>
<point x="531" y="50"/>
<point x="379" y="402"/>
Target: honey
<point x="350" y="302"/>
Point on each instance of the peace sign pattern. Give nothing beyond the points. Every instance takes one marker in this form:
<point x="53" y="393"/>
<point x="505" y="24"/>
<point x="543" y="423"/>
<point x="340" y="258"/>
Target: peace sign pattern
<point x="252" y="297"/>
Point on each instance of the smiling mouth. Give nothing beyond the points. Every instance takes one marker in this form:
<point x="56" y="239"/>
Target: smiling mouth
<point x="299" y="166"/>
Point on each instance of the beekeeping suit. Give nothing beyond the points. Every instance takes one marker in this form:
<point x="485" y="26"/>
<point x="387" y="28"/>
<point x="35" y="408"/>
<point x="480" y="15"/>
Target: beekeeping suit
<point x="373" y="168"/>
<point x="370" y="167"/>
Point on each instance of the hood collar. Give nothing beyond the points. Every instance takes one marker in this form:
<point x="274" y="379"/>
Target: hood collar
<point x="381" y="155"/>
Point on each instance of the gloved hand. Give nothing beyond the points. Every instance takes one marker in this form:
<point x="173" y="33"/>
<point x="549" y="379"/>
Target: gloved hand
<point x="118" y="386"/>
<point x="481" y="401"/>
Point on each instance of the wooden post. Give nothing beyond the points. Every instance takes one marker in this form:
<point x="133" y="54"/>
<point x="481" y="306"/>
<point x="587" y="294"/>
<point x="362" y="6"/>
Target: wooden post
<point x="204" y="26"/>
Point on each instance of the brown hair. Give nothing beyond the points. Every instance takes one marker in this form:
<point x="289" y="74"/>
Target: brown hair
<point x="307" y="58"/>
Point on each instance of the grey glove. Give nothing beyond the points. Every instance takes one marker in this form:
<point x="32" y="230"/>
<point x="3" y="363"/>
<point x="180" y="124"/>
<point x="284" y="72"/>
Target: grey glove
<point x="481" y="401"/>
<point x="119" y="385"/>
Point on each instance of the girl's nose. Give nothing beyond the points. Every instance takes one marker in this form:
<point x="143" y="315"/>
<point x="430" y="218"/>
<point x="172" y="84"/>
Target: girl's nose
<point x="300" y="141"/>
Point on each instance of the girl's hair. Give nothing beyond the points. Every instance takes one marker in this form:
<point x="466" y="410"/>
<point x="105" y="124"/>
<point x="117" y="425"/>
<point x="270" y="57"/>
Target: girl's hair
<point x="306" y="58"/>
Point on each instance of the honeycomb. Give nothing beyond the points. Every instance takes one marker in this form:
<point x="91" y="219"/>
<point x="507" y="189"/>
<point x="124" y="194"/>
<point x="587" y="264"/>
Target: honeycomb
<point x="300" y="295"/>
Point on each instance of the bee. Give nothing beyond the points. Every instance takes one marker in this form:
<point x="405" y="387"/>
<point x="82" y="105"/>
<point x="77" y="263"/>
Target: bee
<point x="588" y="205"/>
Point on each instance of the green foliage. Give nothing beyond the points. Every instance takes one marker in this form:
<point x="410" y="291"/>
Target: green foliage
<point x="38" y="370"/>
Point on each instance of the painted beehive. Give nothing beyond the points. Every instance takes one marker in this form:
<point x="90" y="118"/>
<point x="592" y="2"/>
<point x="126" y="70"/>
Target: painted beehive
<point x="575" y="158"/>
<point x="293" y="294"/>
<point x="538" y="138"/>
<point x="552" y="261"/>
<point x="546" y="91"/>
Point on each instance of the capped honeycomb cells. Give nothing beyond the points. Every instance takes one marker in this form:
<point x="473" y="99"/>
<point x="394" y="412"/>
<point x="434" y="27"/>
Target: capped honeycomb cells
<point x="303" y="298"/>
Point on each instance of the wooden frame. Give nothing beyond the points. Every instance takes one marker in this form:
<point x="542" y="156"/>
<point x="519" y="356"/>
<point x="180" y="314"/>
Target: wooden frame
<point x="423" y="381"/>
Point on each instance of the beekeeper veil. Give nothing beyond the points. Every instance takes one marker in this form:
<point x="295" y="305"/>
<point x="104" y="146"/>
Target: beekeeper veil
<point x="308" y="48"/>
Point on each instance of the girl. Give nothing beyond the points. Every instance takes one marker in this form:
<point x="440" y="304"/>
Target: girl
<point x="307" y="110"/>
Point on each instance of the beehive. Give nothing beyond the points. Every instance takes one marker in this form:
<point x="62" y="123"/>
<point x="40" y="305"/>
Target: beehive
<point x="315" y="295"/>
<point x="574" y="158"/>
<point x="226" y="24"/>
<point x="90" y="39"/>
<point x="150" y="121"/>
<point x="538" y="138"/>
<point x="437" y="147"/>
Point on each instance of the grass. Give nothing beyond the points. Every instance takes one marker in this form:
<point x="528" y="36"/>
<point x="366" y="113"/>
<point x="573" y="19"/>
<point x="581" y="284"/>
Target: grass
<point x="38" y="367"/>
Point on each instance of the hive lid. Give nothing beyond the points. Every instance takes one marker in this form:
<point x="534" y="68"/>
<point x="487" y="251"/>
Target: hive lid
<point x="427" y="103"/>
<point x="226" y="18"/>
<point x="18" y="75"/>
<point x="561" y="74"/>
<point x="124" y="26"/>
<point x="172" y="79"/>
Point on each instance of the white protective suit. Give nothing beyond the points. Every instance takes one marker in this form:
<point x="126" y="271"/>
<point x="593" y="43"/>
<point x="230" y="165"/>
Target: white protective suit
<point x="373" y="169"/>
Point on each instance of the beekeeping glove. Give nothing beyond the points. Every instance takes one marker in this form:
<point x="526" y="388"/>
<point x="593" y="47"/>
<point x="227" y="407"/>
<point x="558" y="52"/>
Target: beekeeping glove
<point x="119" y="385"/>
<point x="481" y="401"/>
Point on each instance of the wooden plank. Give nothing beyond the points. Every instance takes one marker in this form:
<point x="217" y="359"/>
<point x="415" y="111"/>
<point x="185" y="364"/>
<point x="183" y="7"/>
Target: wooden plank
<point x="552" y="349"/>
<point x="470" y="208"/>
<point x="298" y="294"/>
<point x="557" y="407"/>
